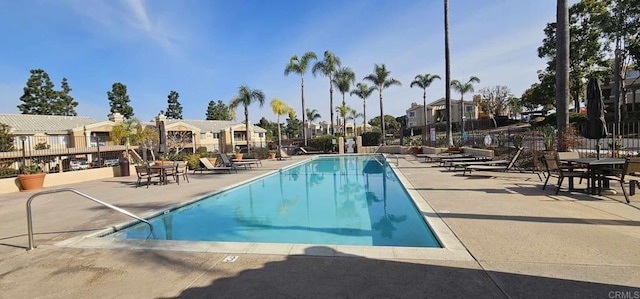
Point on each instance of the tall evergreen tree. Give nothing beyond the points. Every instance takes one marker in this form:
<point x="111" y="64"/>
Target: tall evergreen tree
<point x="293" y="125"/>
<point x="174" y="109"/>
<point x="6" y="138"/>
<point x="65" y="104"/>
<point x="219" y="111"/>
<point x="119" y="100"/>
<point x="38" y="95"/>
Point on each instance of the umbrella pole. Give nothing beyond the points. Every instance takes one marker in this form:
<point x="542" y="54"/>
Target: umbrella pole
<point x="598" y="149"/>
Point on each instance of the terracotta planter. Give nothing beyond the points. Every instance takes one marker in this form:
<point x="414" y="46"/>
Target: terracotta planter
<point x="272" y="156"/>
<point x="212" y="160"/>
<point x="30" y="182"/>
<point x="237" y="156"/>
<point x="163" y="163"/>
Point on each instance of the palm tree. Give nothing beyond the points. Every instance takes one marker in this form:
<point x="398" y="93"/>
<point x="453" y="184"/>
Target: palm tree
<point x="343" y="79"/>
<point x="328" y="68"/>
<point x="246" y="97"/>
<point x="299" y="66"/>
<point x="353" y="114"/>
<point x="343" y="111"/>
<point x="363" y="91"/>
<point x="312" y="115"/>
<point x="562" y="72"/>
<point x="380" y="78"/>
<point x="447" y="74"/>
<point x="424" y="81"/>
<point x="279" y="108"/>
<point x="463" y="88"/>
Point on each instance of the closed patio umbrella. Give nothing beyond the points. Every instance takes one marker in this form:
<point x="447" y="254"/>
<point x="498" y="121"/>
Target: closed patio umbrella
<point x="162" y="144"/>
<point x="596" y="125"/>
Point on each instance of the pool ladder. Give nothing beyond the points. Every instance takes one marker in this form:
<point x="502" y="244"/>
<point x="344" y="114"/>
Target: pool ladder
<point x="32" y="197"/>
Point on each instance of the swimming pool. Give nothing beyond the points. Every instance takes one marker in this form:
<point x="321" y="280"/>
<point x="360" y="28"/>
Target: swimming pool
<point x="335" y="200"/>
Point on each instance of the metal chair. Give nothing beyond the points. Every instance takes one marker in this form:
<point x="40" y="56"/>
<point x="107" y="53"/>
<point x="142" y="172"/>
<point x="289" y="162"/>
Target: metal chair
<point x="630" y="174"/>
<point x="553" y="168"/>
<point x="181" y="170"/>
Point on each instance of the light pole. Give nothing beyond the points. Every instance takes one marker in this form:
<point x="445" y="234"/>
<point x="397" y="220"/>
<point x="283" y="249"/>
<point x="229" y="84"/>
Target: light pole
<point x="95" y="137"/>
<point x="24" y="153"/>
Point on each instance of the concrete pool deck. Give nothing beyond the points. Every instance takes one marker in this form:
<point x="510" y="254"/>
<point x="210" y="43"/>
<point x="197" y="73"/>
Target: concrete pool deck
<point x="524" y="242"/>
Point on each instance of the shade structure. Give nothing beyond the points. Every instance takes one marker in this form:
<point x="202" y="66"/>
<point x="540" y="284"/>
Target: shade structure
<point x="596" y="124"/>
<point x="162" y="140"/>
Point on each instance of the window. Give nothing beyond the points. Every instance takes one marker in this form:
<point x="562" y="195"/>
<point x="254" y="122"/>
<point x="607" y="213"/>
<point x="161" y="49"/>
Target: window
<point x="412" y="124"/>
<point x="260" y="135"/>
<point x="203" y="136"/>
<point x="412" y="114"/>
<point x="216" y="135"/>
<point x="238" y="136"/>
<point x="59" y="139"/>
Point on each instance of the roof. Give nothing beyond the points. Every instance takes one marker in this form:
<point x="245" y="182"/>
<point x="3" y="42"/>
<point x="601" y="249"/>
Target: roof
<point x="213" y="125"/>
<point x="48" y="124"/>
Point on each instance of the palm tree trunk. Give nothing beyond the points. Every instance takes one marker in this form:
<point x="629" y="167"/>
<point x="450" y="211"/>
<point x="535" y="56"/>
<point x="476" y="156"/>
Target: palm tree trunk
<point x="424" y="107"/>
<point x="364" y="115"/>
<point x="461" y="112"/>
<point x="384" y="135"/>
<point x="246" y="127"/>
<point x="304" y="112"/>
<point x="562" y="72"/>
<point x="447" y="75"/>
<point x="279" y="135"/>
<point x="331" y="103"/>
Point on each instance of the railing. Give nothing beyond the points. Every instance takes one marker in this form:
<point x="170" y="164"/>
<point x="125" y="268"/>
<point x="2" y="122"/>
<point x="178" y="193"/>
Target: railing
<point x="32" y="197"/>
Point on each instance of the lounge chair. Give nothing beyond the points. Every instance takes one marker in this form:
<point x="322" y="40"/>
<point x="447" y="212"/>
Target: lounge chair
<point x="227" y="162"/>
<point x="282" y="155"/>
<point x="249" y="161"/>
<point x="309" y="151"/>
<point x="210" y="167"/>
<point x="494" y="167"/>
<point x="488" y="161"/>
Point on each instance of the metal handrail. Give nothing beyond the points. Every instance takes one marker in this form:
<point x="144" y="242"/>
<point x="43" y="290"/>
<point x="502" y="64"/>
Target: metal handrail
<point x="30" y="220"/>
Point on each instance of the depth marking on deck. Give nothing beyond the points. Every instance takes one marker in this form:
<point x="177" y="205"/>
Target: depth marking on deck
<point x="230" y="259"/>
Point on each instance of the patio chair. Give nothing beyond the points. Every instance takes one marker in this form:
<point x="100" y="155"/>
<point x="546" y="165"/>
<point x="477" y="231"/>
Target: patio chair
<point x="495" y="167"/>
<point x="282" y="155"/>
<point x="309" y="151"/>
<point x="181" y="170"/>
<point x="144" y="173"/>
<point x="483" y="161"/>
<point x="554" y="169"/>
<point x="630" y="174"/>
<point x="210" y="167"/>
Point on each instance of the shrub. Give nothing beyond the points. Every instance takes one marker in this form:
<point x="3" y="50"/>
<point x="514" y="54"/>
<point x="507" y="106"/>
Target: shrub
<point x="323" y="143"/>
<point x="193" y="161"/>
<point x="371" y="138"/>
<point x="259" y="153"/>
<point x="201" y="149"/>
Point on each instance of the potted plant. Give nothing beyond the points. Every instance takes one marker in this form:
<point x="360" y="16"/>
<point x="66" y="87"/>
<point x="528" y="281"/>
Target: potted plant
<point x="237" y="155"/>
<point x="272" y="155"/>
<point x="31" y="177"/>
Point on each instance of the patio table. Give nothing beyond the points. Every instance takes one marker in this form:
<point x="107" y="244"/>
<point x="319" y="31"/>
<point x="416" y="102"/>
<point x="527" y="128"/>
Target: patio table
<point x="595" y="170"/>
<point x="163" y="171"/>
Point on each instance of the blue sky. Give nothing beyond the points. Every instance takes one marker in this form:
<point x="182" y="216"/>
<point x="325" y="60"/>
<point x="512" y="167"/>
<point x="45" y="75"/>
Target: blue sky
<point x="206" y="49"/>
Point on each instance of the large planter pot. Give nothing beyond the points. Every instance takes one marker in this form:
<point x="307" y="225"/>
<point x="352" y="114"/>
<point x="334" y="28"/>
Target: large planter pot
<point x="237" y="156"/>
<point x="272" y="156"/>
<point x="158" y="163"/>
<point x="31" y="182"/>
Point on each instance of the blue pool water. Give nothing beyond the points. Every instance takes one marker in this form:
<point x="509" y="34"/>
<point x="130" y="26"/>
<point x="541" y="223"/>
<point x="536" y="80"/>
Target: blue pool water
<point x="347" y="200"/>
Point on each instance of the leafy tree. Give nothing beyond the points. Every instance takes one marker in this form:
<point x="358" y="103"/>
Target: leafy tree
<point x="300" y="66"/>
<point x="328" y="68"/>
<point x="389" y="122"/>
<point x="6" y="138"/>
<point x="494" y="100"/>
<point x="174" y="109"/>
<point x="363" y="91"/>
<point x="65" y="104"/>
<point x="541" y="94"/>
<point x="40" y="98"/>
<point x="218" y="111"/>
<point x="280" y="108"/>
<point x="463" y="88"/>
<point x="514" y="106"/>
<point x="380" y="78"/>
<point x="271" y="127"/>
<point x="293" y="125"/>
<point x="246" y="97"/>
<point x="119" y="100"/>
<point x="424" y="81"/>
